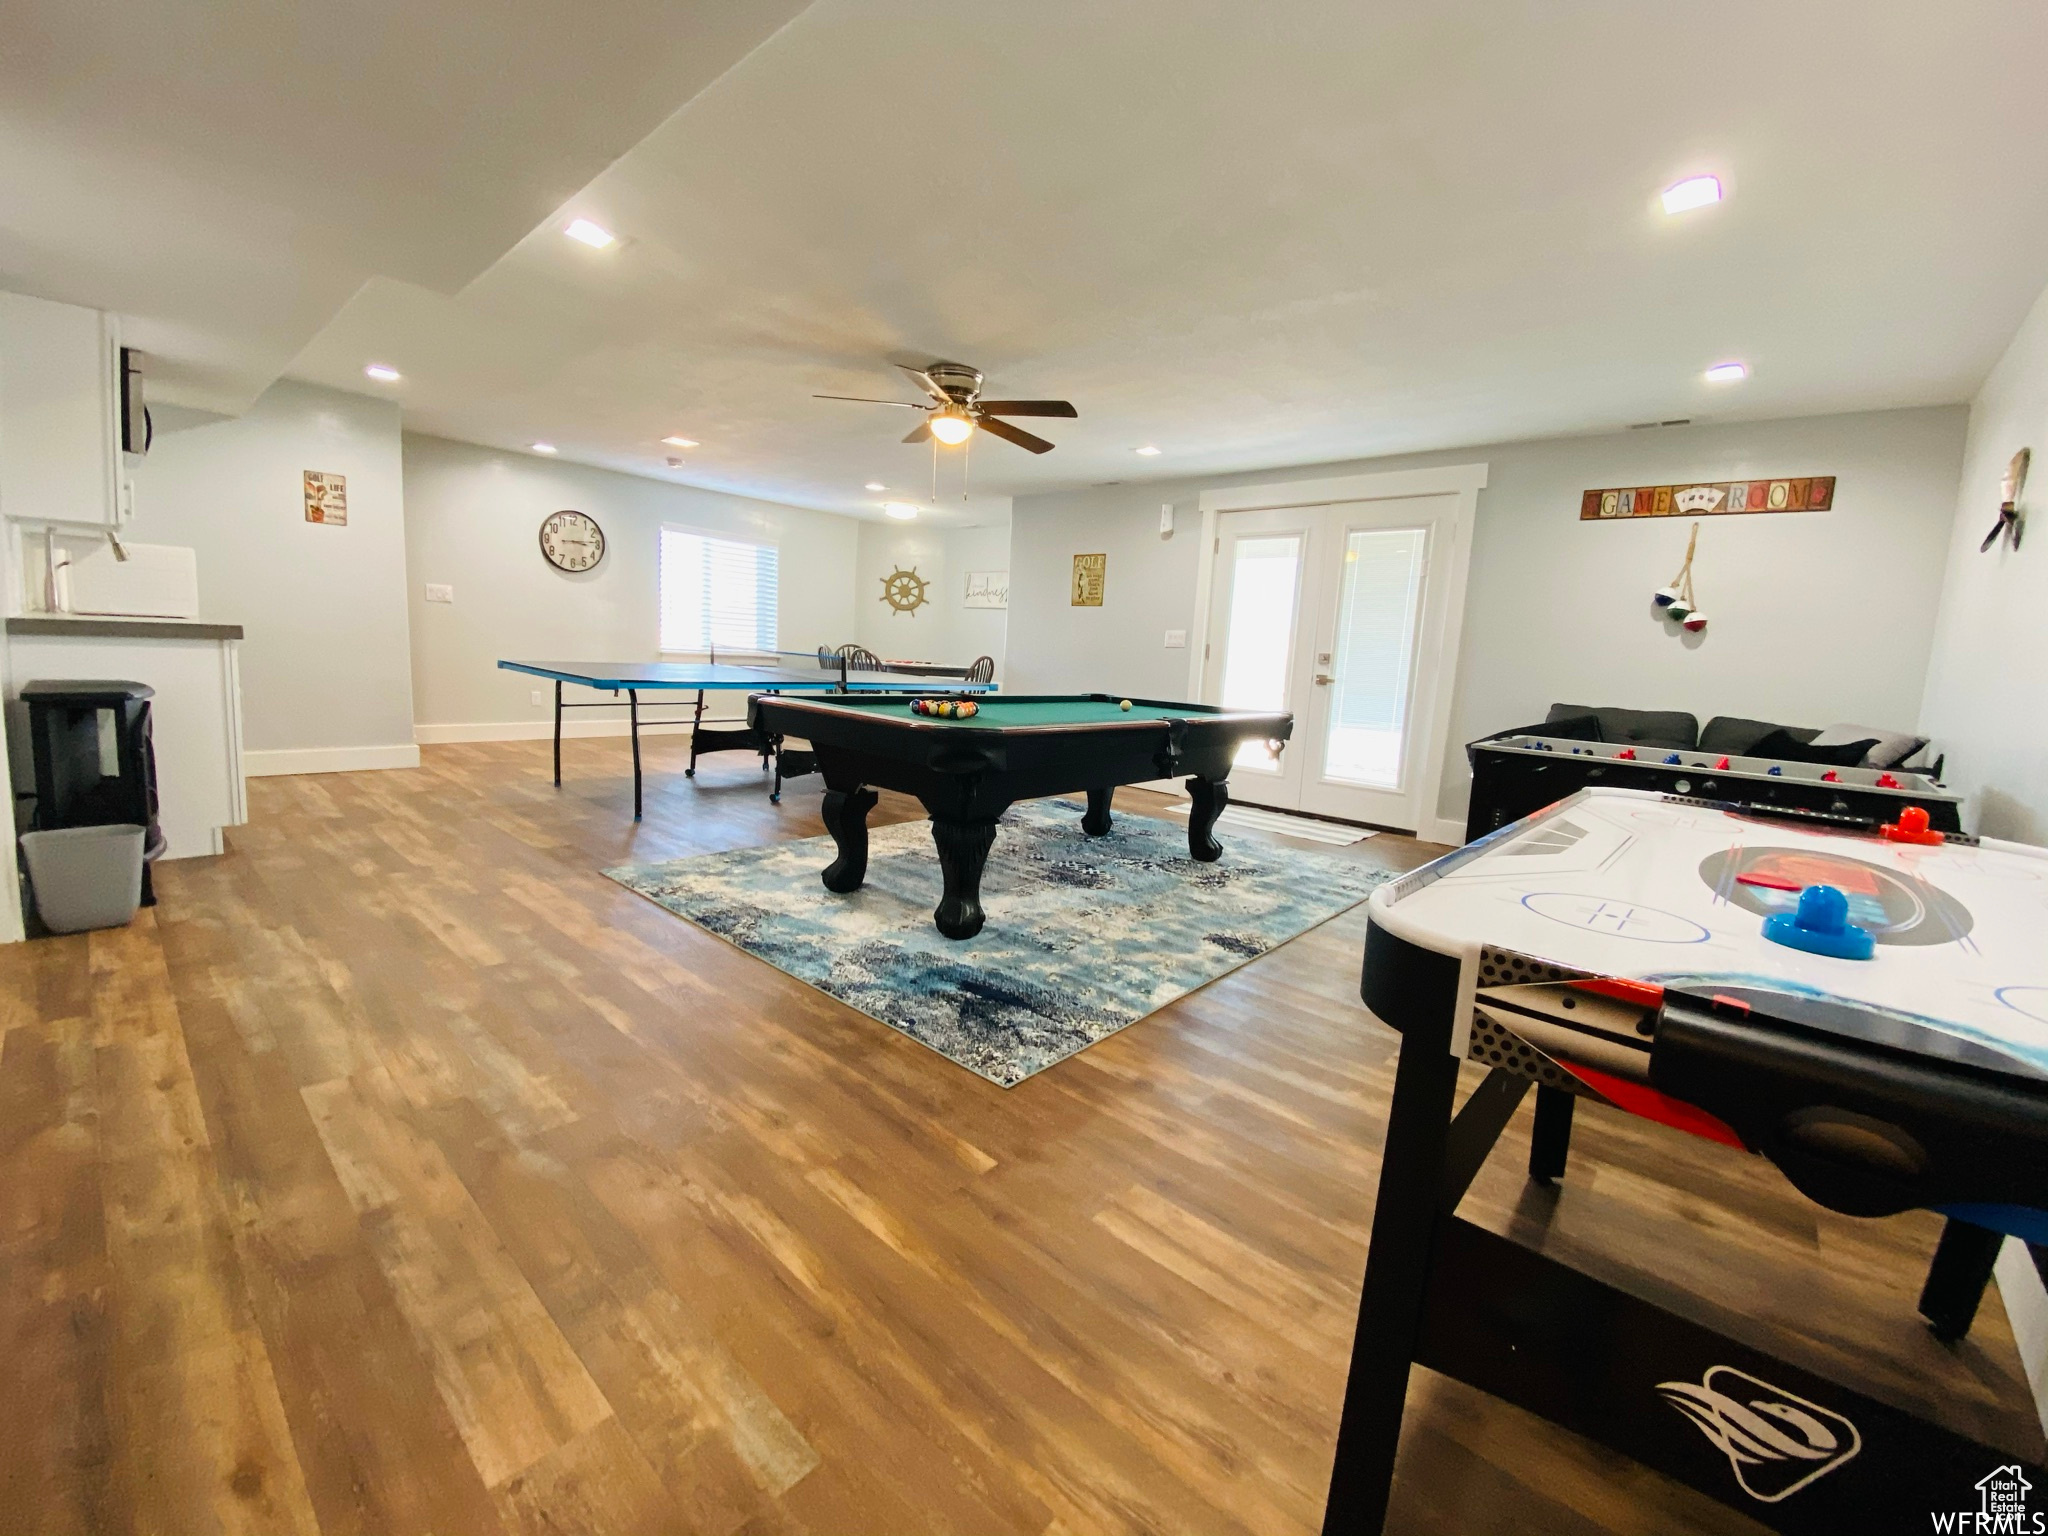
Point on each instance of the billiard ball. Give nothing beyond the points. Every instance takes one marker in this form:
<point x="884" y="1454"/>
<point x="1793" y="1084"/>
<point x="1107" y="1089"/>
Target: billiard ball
<point x="1125" y="704"/>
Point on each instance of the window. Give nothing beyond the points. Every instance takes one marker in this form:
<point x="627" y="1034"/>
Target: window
<point x="717" y="594"/>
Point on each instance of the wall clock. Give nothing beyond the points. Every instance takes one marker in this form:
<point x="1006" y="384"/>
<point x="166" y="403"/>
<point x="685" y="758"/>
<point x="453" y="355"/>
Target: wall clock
<point x="572" y="541"/>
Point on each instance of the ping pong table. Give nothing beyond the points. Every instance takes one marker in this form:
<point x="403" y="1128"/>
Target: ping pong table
<point x="768" y="672"/>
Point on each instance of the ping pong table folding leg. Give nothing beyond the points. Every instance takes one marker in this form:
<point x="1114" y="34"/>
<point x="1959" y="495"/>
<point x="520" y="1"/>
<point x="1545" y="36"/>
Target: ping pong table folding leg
<point x="696" y="725"/>
<point x="558" y="733"/>
<point x="633" y="698"/>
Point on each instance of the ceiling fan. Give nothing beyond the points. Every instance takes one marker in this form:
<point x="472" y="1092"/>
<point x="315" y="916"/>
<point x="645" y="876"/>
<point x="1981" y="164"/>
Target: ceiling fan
<point x="956" y="408"/>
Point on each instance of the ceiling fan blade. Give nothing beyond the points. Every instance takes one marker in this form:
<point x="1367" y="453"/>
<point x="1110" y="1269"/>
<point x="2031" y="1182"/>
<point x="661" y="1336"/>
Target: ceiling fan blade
<point x="921" y="433"/>
<point x="908" y="405"/>
<point x="1010" y="434"/>
<point x="1027" y="407"/>
<point x="927" y="383"/>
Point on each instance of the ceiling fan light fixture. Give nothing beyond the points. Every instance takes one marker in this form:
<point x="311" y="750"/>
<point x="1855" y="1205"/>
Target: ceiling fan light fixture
<point x="950" y="427"/>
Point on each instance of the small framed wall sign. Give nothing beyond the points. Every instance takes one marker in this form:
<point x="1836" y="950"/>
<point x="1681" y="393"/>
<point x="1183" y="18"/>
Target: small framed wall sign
<point x="1803" y="493"/>
<point x="326" y="498"/>
<point x="1090" y="573"/>
<point x="987" y="589"/>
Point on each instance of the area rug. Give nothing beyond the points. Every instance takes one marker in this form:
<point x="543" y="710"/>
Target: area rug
<point x="1084" y="935"/>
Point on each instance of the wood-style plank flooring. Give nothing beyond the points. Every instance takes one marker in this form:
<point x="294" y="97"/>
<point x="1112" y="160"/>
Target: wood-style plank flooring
<point x="399" y="1173"/>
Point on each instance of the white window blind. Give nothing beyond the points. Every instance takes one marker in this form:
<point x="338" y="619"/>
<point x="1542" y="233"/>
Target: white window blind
<point x="716" y="593"/>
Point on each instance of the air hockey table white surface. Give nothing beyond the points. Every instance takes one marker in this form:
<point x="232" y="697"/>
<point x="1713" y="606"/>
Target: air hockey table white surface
<point x="1642" y="886"/>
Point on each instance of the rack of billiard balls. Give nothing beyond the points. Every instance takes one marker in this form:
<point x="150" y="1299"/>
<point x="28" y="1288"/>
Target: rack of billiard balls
<point x="945" y="709"/>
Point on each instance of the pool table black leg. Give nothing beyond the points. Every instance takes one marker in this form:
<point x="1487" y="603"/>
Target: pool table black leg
<point x="1962" y="1266"/>
<point x="846" y="818"/>
<point x="963" y="850"/>
<point x="1096" y="822"/>
<point x="1551" y="1139"/>
<point x="1210" y="796"/>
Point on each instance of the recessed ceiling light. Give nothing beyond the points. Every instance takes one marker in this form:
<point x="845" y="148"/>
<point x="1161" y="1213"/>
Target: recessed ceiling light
<point x="596" y="236"/>
<point x="1693" y="192"/>
<point x="680" y="442"/>
<point x="902" y="511"/>
<point x="876" y="485"/>
<point x="1726" y="373"/>
<point x="383" y="373"/>
<point x="543" y="447"/>
<point x="1146" y="452"/>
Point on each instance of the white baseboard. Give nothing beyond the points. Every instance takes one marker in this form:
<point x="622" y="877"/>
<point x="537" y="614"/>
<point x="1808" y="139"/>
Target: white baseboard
<point x="1441" y="831"/>
<point x="543" y="730"/>
<point x="264" y="765"/>
<point x="2026" y="1308"/>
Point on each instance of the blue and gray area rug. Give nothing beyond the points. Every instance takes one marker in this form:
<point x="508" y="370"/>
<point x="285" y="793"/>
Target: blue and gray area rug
<point x="1084" y="935"/>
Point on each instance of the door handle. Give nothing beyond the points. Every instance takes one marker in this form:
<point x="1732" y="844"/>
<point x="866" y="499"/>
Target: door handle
<point x="1323" y="679"/>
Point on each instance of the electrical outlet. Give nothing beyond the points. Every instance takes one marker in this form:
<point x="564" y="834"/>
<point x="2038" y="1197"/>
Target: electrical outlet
<point x="538" y="696"/>
<point x="436" y="593"/>
<point x="1176" y="639"/>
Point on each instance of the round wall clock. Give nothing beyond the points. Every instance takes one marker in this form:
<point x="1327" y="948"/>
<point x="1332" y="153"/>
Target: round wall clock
<point x="572" y="541"/>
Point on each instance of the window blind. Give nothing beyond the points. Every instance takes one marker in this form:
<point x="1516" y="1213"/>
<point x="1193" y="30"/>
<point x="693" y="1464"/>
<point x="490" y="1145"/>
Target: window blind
<point x="717" y="593"/>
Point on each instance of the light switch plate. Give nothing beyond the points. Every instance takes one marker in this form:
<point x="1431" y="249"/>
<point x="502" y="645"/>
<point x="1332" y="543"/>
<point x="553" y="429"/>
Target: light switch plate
<point x="538" y="696"/>
<point x="1176" y="639"/>
<point x="1166" y="517"/>
<point x="436" y="593"/>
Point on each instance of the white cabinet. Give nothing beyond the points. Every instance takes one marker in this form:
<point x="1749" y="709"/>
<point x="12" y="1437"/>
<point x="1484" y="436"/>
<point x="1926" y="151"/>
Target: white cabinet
<point x="196" y="716"/>
<point x="60" y="443"/>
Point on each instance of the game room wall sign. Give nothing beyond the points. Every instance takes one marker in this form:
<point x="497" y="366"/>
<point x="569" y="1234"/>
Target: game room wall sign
<point x="1805" y="493"/>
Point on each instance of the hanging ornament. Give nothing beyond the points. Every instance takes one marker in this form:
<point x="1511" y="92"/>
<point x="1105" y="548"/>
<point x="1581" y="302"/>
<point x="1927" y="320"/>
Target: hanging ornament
<point x="2009" y="523"/>
<point x="1677" y="599"/>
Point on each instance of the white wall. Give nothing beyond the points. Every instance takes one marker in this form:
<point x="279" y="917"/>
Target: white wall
<point x="326" y="665"/>
<point x="473" y="520"/>
<point x="1987" y="688"/>
<point x="945" y="629"/>
<point x="1817" y="618"/>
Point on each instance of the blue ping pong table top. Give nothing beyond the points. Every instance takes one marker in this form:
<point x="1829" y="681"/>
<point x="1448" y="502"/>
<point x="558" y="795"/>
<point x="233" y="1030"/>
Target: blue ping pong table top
<point x="692" y="676"/>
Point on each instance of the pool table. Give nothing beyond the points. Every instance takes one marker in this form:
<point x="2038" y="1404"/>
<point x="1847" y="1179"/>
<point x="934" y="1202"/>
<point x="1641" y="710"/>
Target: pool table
<point x="966" y="772"/>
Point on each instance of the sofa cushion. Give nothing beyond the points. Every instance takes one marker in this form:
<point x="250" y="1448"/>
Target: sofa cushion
<point x="1737" y="737"/>
<point x="1781" y="745"/>
<point x="1888" y="748"/>
<point x="1636" y="727"/>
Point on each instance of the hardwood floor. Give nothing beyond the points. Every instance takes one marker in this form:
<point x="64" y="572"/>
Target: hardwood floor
<point x="399" y="1173"/>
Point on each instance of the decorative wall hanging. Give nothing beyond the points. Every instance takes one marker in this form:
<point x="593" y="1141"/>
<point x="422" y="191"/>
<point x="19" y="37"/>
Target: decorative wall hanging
<point x="1677" y="600"/>
<point x="987" y="589"/>
<point x="326" y="498"/>
<point x="2010" y="523"/>
<point x="903" y="591"/>
<point x="1808" y="493"/>
<point x="1090" y="576"/>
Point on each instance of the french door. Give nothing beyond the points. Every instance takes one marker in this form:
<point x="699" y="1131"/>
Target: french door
<point x="1336" y="613"/>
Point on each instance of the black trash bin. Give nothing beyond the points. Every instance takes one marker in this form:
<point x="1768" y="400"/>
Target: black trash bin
<point x="95" y="765"/>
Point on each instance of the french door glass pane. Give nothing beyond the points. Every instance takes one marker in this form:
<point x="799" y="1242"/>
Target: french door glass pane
<point x="1265" y="578"/>
<point x="1380" y="601"/>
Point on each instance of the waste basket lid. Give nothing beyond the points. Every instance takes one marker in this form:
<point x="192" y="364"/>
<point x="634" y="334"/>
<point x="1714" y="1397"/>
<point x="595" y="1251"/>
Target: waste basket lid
<point x="85" y="690"/>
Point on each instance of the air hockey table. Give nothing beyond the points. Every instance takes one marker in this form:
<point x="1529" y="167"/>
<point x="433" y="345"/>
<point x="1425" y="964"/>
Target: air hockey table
<point x="1612" y="947"/>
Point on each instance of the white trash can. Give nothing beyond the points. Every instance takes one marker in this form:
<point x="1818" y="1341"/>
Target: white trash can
<point x="85" y="877"/>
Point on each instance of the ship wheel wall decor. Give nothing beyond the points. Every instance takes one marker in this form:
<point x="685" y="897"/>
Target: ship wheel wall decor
<point x="904" y="591"/>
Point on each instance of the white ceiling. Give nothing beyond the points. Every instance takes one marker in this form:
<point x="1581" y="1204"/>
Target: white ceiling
<point x="228" y="173"/>
<point x="1252" y="235"/>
